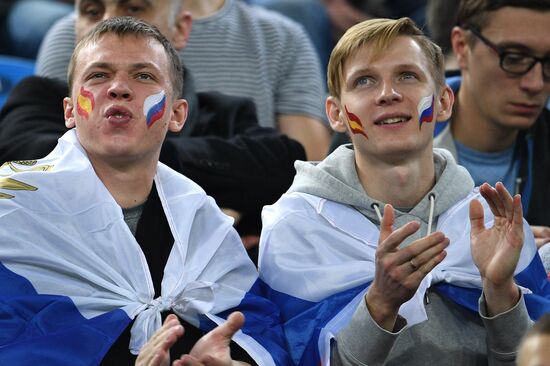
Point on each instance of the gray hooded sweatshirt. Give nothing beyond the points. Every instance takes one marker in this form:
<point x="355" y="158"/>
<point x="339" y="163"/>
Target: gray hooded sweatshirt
<point x="452" y="335"/>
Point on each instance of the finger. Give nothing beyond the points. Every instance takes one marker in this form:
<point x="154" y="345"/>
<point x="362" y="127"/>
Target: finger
<point x="171" y="324"/>
<point x="477" y="220"/>
<point x="491" y="196"/>
<point x="427" y="267"/>
<point x="517" y="218"/>
<point x="541" y="232"/>
<point x="506" y="199"/>
<point x="386" y="226"/>
<point x="396" y="238"/>
<point x="187" y="360"/>
<point x="429" y="253"/>
<point x="234" y="322"/>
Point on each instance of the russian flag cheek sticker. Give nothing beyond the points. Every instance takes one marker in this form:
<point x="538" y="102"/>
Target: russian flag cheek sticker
<point x="153" y="107"/>
<point x="85" y="103"/>
<point x="426" y="110"/>
<point x="354" y="123"/>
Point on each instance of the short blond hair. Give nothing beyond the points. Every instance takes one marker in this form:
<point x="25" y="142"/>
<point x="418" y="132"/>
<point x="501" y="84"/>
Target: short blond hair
<point x="379" y="34"/>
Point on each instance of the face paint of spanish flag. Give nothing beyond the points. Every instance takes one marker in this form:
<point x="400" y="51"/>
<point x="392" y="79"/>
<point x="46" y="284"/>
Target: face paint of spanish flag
<point x="355" y="123"/>
<point x="85" y="103"/>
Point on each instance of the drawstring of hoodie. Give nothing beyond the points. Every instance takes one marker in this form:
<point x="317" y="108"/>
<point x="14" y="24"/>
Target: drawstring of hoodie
<point x="431" y="197"/>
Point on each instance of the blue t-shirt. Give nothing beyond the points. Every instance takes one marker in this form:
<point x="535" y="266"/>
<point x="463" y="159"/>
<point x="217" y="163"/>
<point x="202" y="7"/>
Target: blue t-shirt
<point x="490" y="167"/>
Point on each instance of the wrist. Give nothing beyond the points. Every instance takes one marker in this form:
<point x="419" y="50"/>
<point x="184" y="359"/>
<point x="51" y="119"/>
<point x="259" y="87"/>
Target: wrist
<point x="500" y="298"/>
<point x="381" y="312"/>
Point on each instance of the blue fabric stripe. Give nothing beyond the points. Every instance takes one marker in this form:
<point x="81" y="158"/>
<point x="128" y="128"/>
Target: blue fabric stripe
<point x="49" y="329"/>
<point x="262" y="322"/>
<point x="533" y="277"/>
<point x="304" y="320"/>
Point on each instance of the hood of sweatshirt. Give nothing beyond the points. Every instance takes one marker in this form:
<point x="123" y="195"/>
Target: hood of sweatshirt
<point x="335" y="179"/>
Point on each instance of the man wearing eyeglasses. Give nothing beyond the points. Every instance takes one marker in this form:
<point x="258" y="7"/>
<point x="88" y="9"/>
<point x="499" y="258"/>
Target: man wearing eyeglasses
<point x="500" y="129"/>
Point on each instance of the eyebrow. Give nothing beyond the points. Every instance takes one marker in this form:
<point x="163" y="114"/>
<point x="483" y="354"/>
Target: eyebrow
<point x="398" y="67"/>
<point x="147" y="3"/>
<point x="519" y="47"/>
<point x="133" y="67"/>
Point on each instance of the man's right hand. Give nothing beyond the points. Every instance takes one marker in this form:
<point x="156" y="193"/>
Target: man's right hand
<point x="542" y="235"/>
<point x="399" y="272"/>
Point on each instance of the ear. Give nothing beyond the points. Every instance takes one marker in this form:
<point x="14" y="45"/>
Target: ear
<point x="68" y="112"/>
<point x="179" y="115"/>
<point x="334" y="114"/>
<point x="459" y="41"/>
<point x="445" y="100"/>
<point x="183" y="29"/>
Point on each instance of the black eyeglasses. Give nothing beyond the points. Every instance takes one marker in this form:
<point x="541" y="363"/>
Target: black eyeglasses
<point x="515" y="63"/>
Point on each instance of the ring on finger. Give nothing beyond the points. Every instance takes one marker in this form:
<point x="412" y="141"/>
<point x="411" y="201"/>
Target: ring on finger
<point x="413" y="265"/>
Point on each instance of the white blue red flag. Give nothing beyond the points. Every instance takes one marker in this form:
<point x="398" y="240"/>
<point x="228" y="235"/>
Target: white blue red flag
<point x="73" y="277"/>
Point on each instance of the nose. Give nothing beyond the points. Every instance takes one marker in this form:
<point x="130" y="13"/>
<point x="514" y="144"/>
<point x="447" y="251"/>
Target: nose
<point x="533" y="80"/>
<point x="388" y="94"/>
<point x="120" y="89"/>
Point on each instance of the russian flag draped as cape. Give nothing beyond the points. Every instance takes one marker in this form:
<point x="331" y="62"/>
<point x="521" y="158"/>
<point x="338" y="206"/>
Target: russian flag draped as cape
<point x="72" y="276"/>
<point x="317" y="260"/>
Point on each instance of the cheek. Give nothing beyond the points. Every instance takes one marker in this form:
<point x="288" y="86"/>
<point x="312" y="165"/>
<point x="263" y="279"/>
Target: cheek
<point x="85" y="103"/>
<point x="154" y="107"/>
<point x="354" y="123"/>
<point x="426" y="110"/>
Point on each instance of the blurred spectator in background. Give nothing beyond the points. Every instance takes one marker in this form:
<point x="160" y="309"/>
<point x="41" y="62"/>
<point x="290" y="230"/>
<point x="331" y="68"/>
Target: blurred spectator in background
<point x="500" y="129"/>
<point x="235" y="49"/>
<point x="24" y="23"/>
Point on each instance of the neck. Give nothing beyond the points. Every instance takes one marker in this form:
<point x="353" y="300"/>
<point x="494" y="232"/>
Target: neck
<point x="202" y="8"/>
<point x="402" y="184"/>
<point x="129" y="184"/>
<point x="471" y="128"/>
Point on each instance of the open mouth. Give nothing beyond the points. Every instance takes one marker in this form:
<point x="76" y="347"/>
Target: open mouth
<point x="118" y="114"/>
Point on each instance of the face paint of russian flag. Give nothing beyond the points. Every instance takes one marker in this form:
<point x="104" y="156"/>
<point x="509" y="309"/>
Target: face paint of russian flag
<point x="355" y="123"/>
<point x="85" y="103"/>
<point x="426" y="110"/>
<point x="153" y="107"/>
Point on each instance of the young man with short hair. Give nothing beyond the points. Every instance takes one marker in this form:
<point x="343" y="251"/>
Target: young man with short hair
<point x="500" y="129"/>
<point x="100" y="239"/>
<point x="385" y="246"/>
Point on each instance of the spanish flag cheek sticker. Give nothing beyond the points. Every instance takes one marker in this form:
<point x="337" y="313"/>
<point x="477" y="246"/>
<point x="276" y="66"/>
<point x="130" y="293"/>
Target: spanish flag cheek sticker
<point x="153" y="107"/>
<point x="426" y="110"/>
<point x="355" y="123"/>
<point x="85" y="103"/>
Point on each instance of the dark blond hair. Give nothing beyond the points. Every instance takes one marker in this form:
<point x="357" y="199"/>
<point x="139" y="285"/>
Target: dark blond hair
<point x="379" y="34"/>
<point x="129" y="26"/>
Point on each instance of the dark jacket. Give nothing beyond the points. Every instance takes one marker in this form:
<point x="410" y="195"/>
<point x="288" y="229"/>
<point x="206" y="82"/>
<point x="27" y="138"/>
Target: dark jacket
<point x="221" y="147"/>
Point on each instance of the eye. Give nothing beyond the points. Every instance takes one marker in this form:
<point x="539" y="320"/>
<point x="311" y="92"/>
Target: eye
<point x="97" y="75"/>
<point x="91" y="11"/>
<point x="134" y="10"/>
<point x="144" y="76"/>
<point x="408" y="76"/>
<point x="364" y="81"/>
<point x="516" y="58"/>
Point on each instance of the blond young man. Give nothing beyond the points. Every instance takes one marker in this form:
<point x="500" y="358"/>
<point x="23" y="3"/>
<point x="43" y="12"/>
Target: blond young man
<point x="386" y="243"/>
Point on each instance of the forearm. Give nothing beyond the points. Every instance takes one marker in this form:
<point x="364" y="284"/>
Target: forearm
<point x="363" y="342"/>
<point x="311" y="133"/>
<point x="504" y="331"/>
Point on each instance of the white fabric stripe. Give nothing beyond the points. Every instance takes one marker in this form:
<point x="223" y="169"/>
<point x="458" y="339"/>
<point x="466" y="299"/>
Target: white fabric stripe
<point x="70" y="250"/>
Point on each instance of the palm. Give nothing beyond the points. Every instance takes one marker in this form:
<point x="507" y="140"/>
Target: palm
<point x="496" y="250"/>
<point x="215" y="346"/>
